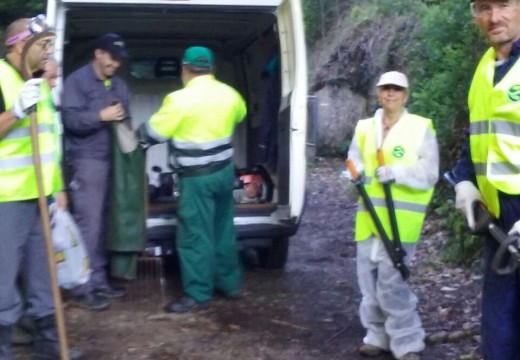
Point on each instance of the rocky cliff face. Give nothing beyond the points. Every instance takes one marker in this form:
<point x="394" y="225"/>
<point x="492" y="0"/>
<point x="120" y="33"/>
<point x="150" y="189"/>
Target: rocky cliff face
<point x="344" y="71"/>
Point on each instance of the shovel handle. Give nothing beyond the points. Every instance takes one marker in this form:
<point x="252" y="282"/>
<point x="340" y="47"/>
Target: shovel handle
<point x="43" y="206"/>
<point x="352" y="168"/>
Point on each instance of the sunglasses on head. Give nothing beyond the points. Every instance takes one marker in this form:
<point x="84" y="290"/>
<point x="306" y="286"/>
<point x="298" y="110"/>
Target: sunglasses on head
<point x="392" y="87"/>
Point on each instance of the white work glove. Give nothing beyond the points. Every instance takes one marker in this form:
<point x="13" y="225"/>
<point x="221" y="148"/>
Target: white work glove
<point x="466" y="195"/>
<point x="346" y="173"/>
<point x="385" y="174"/>
<point x="515" y="230"/>
<point x="28" y="97"/>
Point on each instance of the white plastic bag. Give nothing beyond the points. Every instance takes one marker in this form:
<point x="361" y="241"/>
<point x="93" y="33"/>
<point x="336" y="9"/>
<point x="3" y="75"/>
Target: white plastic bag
<point x="72" y="262"/>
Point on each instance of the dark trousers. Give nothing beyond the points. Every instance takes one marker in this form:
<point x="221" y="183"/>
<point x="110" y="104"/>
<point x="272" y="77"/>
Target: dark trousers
<point x="90" y="185"/>
<point x="23" y="253"/>
<point x="206" y="240"/>
<point x="501" y="295"/>
<point x="500" y="310"/>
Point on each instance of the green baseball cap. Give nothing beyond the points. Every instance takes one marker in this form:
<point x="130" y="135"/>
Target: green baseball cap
<point x="198" y="56"/>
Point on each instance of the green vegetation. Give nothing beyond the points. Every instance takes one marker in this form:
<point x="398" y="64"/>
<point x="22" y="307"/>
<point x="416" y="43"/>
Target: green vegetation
<point x="462" y="248"/>
<point x="441" y="51"/>
<point x="442" y="56"/>
<point x="322" y="15"/>
<point x="13" y="9"/>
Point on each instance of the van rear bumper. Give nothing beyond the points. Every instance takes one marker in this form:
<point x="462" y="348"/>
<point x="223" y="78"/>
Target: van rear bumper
<point x="249" y="231"/>
<point x="256" y="235"/>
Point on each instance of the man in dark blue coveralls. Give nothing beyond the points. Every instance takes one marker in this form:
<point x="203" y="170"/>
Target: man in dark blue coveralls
<point x="93" y="98"/>
<point x="490" y="160"/>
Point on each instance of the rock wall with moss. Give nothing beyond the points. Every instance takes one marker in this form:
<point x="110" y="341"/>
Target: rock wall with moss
<point x="353" y="42"/>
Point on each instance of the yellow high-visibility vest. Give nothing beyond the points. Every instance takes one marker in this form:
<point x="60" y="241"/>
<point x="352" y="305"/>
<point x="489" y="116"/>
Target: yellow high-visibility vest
<point x="400" y="147"/>
<point x="17" y="173"/>
<point x="200" y="132"/>
<point x="495" y="130"/>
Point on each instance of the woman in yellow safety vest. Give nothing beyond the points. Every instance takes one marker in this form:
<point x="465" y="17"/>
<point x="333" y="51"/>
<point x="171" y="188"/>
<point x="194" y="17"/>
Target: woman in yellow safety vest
<point x="409" y="147"/>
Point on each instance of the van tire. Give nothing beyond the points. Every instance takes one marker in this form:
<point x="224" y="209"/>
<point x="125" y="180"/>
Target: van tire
<point x="274" y="257"/>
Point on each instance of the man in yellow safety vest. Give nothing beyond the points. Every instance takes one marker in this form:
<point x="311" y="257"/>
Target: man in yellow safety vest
<point x="22" y="247"/>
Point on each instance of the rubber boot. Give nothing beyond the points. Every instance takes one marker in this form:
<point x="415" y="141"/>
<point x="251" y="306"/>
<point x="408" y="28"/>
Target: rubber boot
<point x="46" y="341"/>
<point x="5" y="343"/>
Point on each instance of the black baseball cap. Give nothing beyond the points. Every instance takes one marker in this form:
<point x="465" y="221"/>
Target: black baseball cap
<point x="114" y="44"/>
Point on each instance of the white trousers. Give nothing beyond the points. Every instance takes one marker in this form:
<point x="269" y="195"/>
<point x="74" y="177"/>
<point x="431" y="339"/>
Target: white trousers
<point x="388" y="308"/>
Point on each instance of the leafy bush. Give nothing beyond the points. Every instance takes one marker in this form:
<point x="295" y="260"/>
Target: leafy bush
<point x="443" y="54"/>
<point x="321" y="15"/>
<point x="386" y="8"/>
<point x="11" y="10"/>
<point x="461" y="248"/>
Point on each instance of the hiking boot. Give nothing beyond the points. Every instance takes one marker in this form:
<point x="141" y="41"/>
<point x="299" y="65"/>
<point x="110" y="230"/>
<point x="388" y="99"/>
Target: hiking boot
<point x="90" y="301"/>
<point x="46" y="342"/>
<point x="110" y="292"/>
<point x="410" y="356"/>
<point x="370" y="350"/>
<point x="184" y="305"/>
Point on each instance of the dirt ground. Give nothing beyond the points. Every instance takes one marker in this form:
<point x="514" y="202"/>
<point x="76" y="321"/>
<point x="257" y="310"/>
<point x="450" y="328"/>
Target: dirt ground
<point x="307" y="311"/>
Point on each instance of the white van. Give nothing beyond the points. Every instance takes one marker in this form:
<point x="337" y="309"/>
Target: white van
<point x="259" y="48"/>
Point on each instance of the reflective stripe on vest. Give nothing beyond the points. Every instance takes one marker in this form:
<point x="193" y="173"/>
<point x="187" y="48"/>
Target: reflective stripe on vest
<point x="26" y="132"/>
<point x="25" y="161"/>
<point x="199" y="121"/>
<point x="398" y="205"/>
<point x="399" y="149"/>
<point x="17" y="173"/>
<point x="495" y="130"/>
<point x="200" y="154"/>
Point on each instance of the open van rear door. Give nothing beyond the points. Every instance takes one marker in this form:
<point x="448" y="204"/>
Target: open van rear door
<point x="293" y="109"/>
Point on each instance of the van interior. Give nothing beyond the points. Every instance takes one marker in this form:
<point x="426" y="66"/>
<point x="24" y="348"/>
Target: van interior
<point x="246" y="45"/>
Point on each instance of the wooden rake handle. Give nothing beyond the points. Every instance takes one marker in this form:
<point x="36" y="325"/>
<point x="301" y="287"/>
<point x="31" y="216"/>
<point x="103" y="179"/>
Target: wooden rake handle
<point x="43" y="207"/>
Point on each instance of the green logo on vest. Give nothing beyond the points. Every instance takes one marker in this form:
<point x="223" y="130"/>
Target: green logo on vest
<point x="514" y="93"/>
<point x="398" y="152"/>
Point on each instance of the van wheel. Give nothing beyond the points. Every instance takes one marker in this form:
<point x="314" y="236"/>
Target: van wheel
<point x="274" y="257"/>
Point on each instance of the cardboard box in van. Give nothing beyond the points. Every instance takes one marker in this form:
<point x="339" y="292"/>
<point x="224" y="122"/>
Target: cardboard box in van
<point x="259" y="49"/>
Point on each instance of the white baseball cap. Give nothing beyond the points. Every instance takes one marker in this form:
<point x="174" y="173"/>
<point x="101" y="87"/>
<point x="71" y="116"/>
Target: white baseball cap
<point x="393" y="78"/>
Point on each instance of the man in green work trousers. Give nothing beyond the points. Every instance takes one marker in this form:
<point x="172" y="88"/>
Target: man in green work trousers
<point x="199" y="121"/>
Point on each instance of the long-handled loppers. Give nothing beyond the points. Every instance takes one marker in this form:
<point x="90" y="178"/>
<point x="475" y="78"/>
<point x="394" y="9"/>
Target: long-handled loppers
<point x="396" y="257"/>
<point x="398" y="249"/>
<point x="508" y="243"/>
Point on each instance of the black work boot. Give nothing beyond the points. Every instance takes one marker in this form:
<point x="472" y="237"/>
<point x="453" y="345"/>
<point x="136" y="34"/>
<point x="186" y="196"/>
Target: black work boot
<point x="5" y="343"/>
<point x="22" y="333"/>
<point x="46" y="341"/>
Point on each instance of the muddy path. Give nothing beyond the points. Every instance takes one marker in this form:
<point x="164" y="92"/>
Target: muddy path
<point x="308" y="311"/>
